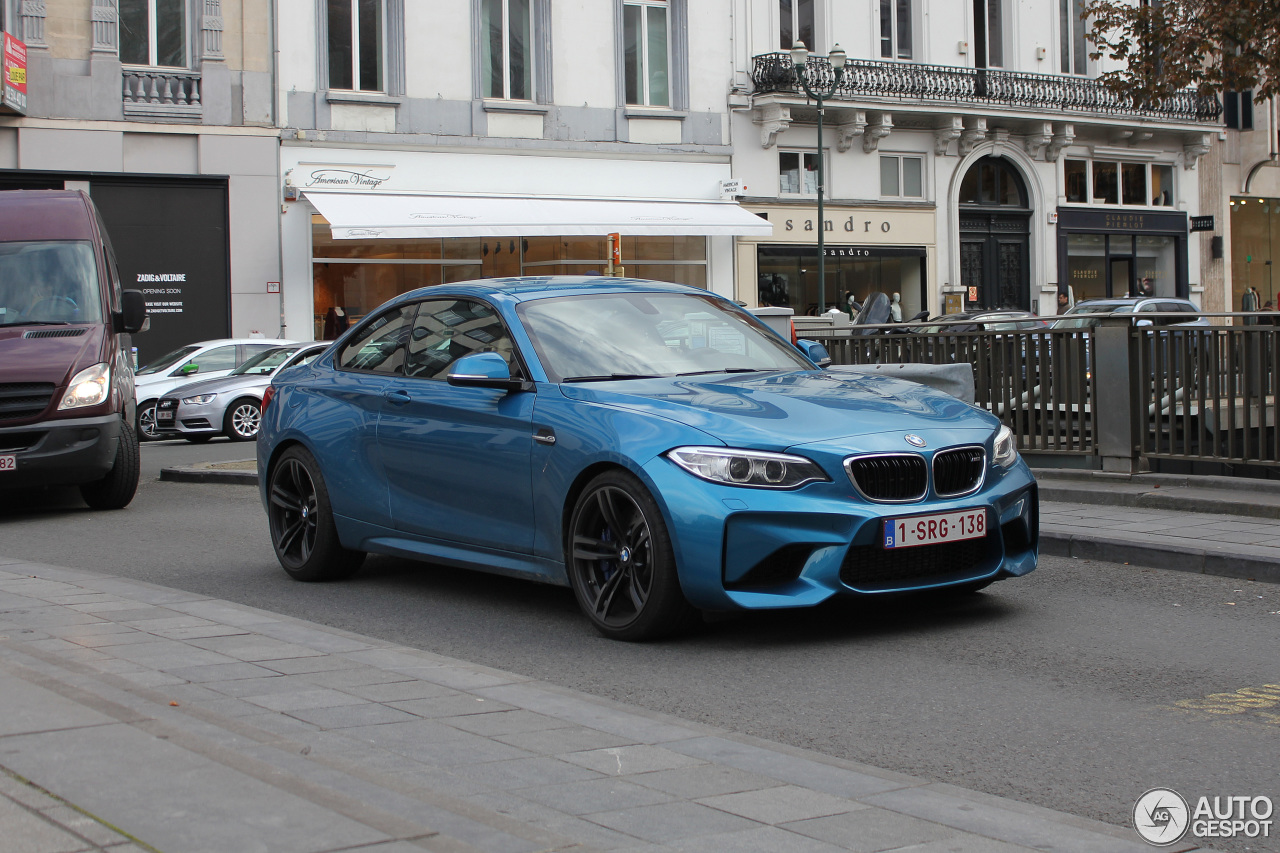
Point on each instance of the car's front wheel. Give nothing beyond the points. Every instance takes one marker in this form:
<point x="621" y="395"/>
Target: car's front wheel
<point x="301" y="519"/>
<point x="243" y="419"/>
<point x="621" y="563"/>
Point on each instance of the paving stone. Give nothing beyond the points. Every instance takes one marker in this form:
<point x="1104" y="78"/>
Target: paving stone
<point x="83" y="825"/>
<point x="368" y="714"/>
<point x="303" y="666"/>
<point x="871" y="830"/>
<point x="22" y="830"/>
<point x="222" y="672"/>
<point x="671" y="821"/>
<point x="590" y="796"/>
<point x="563" y="740"/>
<point x="450" y="706"/>
<point x="254" y="647"/>
<point x="780" y="805"/>
<point x="628" y="760"/>
<point x="298" y="700"/>
<point x="703" y="780"/>
<point x="531" y="772"/>
<point x="384" y="691"/>
<point x="787" y="768"/>
<point x="493" y="723"/>
<point x="313" y="637"/>
<point x="199" y="633"/>
<point x="765" y="839"/>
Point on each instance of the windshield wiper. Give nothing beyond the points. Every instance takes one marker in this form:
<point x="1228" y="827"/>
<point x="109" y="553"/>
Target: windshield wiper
<point x="606" y="377"/>
<point x="37" y="323"/>
<point x="725" y="370"/>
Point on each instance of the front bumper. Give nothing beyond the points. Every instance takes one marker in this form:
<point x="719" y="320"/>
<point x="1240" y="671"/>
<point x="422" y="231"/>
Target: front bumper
<point x="60" y="452"/>
<point x="192" y="420"/>
<point x="742" y="548"/>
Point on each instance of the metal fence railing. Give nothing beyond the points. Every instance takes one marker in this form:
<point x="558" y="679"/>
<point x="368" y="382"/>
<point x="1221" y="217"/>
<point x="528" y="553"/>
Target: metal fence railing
<point x="1152" y="393"/>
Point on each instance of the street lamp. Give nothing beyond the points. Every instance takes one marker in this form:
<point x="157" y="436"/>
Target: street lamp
<point x="799" y="57"/>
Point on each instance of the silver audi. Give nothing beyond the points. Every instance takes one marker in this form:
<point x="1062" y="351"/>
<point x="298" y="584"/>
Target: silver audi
<point x="229" y="405"/>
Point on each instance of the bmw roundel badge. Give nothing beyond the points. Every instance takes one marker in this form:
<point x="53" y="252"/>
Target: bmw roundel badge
<point x="914" y="440"/>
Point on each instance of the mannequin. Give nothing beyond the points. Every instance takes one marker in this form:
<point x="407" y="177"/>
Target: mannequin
<point x="335" y="323"/>
<point x="895" y="308"/>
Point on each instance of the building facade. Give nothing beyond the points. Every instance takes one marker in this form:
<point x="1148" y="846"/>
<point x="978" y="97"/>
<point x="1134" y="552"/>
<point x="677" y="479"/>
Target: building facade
<point x="163" y="111"/>
<point x="434" y="142"/>
<point x="971" y="159"/>
<point x="1248" y="203"/>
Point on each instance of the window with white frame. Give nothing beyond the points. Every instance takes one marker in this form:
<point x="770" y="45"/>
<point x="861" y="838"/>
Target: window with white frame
<point x="506" y="49"/>
<point x="895" y="29"/>
<point x="795" y="23"/>
<point x="901" y="176"/>
<point x="1072" y="45"/>
<point x="798" y="173"/>
<point x="356" y="45"/>
<point x="1119" y="183"/>
<point x="646" y="53"/>
<point x="153" y="32"/>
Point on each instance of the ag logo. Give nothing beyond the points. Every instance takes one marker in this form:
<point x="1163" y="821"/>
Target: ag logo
<point x="1161" y="817"/>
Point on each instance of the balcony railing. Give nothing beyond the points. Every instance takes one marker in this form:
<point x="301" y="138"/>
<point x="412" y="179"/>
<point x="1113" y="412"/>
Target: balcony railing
<point x="773" y="72"/>
<point x="161" y="94"/>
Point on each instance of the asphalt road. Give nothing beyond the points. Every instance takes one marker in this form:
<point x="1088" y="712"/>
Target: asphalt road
<point x="1058" y="689"/>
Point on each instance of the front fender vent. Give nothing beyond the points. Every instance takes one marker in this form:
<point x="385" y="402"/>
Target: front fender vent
<point x="53" y="333"/>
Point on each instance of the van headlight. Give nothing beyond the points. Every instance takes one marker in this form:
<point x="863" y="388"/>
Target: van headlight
<point x="1006" y="448"/>
<point x="89" y="387"/>
<point x="754" y="468"/>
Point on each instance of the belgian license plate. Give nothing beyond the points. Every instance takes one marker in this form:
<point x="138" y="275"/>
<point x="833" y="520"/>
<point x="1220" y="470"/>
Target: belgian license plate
<point x="163" y="415"/>
<point x="8" y="463"/>
<point x="931" y="529"/>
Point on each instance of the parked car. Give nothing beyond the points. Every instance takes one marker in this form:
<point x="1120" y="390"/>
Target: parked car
<point x="652" y="446"/>
<point x="1088" y="312"/>
<point x="208" y="359"/>
<point x="998" y="320"/>
<point x="66" y="385"/>
<point x="229" y="406"/>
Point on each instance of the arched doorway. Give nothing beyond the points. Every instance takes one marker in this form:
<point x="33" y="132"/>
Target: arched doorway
<point x="995" y="232"/>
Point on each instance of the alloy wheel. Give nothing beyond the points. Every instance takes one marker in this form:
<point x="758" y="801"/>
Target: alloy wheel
<point x="245" y="420"/>
<point x="294" y="516"/>
<point x="147" y="422"/>
<point x="613" y="556"/>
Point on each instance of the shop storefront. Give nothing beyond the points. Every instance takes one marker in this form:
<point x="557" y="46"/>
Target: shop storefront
<point x="867" y="250"/>
<point x="375" y="231"/>
<point x="1255" y="246"/>
<point x="1108" y="254"/>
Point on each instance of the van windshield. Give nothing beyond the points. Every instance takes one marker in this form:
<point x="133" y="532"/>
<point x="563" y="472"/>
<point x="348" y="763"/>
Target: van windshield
<point x="48" y="282"/>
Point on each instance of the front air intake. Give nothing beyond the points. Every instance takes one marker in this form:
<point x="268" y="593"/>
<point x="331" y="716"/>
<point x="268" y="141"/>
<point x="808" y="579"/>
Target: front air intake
<point x="889" y="477"/>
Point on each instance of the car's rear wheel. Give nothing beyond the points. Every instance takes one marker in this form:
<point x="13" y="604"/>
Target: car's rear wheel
<point x="147" y="421"/>
<point x="243" y="420"/>
<point x="621" y="563"/>
<point x="301" y="519"/>
<point x="117" y="489"/>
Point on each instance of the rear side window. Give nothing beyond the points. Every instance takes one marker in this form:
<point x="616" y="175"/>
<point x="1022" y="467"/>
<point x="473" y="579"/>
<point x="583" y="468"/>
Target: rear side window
<point x="379" y="346"/>
<point x="218" y="358"/>
<point x="445" y="330"/>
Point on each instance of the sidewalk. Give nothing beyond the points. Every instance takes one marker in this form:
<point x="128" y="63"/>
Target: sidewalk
<point x="139" y="718"/>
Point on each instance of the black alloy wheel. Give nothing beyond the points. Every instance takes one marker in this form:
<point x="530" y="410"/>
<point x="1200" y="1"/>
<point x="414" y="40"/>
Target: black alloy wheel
<point x="301" y="520"/>
<point x="621" y="563"/>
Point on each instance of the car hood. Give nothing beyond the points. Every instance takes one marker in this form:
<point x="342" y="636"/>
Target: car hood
<point x="51" y="355"/>
<point x="221" y="385"/>
<point x="776" y="411"/>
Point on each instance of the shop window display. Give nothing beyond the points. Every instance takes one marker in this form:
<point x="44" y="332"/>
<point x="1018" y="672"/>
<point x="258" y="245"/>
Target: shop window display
<point x="1255" y="245"/>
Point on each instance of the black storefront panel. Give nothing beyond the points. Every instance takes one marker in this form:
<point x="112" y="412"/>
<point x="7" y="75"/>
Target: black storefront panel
<point x="171" y="243"/>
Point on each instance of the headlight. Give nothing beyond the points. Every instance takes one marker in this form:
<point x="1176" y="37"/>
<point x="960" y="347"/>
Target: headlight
<point x="89" y="387"/>
<point x="1006" y="448"/>
<point x="199" y="399"/>
<point x="754" y="468"/>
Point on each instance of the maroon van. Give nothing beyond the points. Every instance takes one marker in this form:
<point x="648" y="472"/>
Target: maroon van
<point x="66" y="373"/>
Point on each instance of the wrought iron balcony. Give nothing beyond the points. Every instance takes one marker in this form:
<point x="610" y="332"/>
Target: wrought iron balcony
<point x="773" y="73"/>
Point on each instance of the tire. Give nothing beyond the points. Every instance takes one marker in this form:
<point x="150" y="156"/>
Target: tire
<point x="243" y="420"/>
<point x="117" y="489"/>
<point x="301" y="520"/>
<point x="618" y="543"/>
<point x="146" y="426"/>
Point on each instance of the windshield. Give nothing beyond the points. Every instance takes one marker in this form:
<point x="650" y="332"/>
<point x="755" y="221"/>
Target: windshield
<point x="642" y="335"/>
<point x="167" y="361"/>
<point x="48" y="282"/>
<point x="265" y="362"/>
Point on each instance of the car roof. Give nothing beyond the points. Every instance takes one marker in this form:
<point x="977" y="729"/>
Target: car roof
<point x="222" y="342"/>
<point x="527" y="287"/>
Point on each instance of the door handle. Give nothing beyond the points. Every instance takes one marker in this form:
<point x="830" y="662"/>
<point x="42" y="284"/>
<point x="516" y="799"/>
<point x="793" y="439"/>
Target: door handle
<point x="397" y="397"/>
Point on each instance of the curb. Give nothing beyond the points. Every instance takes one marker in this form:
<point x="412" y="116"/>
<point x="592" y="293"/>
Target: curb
<point x="197" y="474"/>
<point x="1199" y="561"/>
<point x="1218" y="504"/>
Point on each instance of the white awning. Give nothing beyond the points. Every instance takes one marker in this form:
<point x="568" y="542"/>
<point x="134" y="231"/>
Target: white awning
<point x="364" y="216"/>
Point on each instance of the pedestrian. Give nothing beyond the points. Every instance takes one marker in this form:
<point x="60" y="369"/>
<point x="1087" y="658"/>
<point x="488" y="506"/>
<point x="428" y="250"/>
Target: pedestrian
<point x="1147" y="287"/>
<point x="1062" y="302"/>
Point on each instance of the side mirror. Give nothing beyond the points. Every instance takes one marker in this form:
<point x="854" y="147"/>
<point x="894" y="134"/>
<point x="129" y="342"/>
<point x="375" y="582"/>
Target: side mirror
<point x="132" y="317"/>
<point x="1143" y="323"/>
<point x="188" y="369"/>
<point x="814" y="351"/>
<point x="484" y="370"/>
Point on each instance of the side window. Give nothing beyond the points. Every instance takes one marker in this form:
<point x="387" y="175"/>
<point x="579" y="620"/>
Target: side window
<point x="221" y="358"/>
<point x="448" y="329"/>
<point x="250" y="350"/>
<point x="379" y="346"/>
